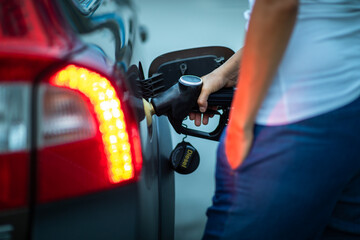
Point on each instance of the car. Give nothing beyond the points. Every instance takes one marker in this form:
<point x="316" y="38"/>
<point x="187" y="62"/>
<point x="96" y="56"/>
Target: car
<point x="78" y="158"/>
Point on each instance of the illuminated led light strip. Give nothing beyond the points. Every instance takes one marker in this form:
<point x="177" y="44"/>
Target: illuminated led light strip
<point x="109" y="113"/>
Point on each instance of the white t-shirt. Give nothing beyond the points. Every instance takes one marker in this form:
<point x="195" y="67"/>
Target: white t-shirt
<point x="320" y="70"/>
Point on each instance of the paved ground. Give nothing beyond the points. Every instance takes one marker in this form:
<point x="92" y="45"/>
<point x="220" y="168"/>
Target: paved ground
<point x="175" y="25"/>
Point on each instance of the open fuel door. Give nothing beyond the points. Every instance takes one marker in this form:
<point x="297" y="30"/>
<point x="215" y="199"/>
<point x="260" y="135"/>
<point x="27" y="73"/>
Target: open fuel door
<point x="195" y="61"/>
<point x="165" y="72"/>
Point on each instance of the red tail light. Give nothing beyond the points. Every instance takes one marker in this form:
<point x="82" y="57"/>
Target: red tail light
<point x="84" y="143"/>
<point x="88" y="140"/>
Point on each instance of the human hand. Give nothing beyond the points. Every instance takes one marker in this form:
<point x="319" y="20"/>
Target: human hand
<point x="237" y="145"/>
<point x="212" y="82"/>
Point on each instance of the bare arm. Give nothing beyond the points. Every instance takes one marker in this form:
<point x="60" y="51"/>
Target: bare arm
<point x="270" y="28"/>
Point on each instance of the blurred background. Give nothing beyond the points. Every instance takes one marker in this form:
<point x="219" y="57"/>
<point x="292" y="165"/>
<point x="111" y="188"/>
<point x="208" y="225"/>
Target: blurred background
<point x="176" y="25"/>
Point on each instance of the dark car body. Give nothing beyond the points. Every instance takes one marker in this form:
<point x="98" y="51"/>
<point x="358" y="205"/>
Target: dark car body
<point x="58" y="176"/>
<point x="38" y="38"/>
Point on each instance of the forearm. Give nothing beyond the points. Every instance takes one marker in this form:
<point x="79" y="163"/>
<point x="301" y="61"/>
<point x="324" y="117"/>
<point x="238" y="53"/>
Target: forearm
<point x="270" y="28"/>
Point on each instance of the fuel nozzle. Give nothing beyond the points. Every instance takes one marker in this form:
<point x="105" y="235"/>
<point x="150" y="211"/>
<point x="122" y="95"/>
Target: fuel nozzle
<point x="149" y="111"/>
<point x="176" y="102"/>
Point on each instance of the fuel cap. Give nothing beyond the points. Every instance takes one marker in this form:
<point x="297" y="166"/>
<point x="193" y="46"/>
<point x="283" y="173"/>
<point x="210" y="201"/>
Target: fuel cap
<point x="184" y="158"/>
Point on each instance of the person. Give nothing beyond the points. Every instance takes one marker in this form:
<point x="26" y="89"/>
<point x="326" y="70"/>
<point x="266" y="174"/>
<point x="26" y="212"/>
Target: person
<point x="288" y="164"/>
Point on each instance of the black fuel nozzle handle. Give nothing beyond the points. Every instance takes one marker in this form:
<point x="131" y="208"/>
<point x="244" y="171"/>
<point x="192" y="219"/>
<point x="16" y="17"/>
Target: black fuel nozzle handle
<point x="181" y="99"/>
<point x="176" y="102"/>
<point x="222" y="100"/>
<point x="215" y="134"/>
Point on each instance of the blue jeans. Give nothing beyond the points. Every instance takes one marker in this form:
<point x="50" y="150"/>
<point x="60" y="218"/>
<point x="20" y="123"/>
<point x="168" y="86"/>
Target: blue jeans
<point x="299" y="181"/>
